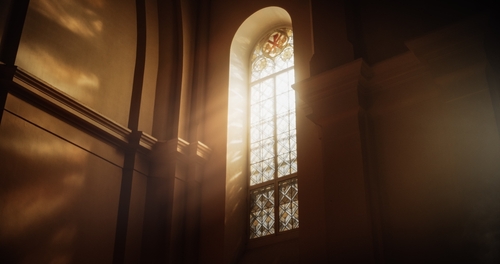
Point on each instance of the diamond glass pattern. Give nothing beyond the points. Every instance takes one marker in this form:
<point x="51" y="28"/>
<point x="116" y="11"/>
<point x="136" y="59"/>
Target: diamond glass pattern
<point x="262" y="211"/>
<point x="284" y="142"/>
<point x="256" y="173"/>
<point x="282" y="103"/>
<point x="284" y="82"/>
<point x="273" y="151"/>
<point x="262" y="90"/>
<point x="283" y="123"/>
<point x="288" y="205"/>
<point x="293" y="162"/>
<point x="267" y="129"/>
<point x="256" y="153"/>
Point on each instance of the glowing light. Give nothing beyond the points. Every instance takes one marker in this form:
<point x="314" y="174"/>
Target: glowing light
<point x="71" y="15"/>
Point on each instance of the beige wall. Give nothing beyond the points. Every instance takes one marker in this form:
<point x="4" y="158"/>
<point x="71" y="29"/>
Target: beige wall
<point x="85" y="49"/>
<point x="64" y="135"/>
<point x="60" y="190"/>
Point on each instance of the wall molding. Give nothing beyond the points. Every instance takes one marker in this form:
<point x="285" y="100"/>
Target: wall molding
<point x="37" y="92"/>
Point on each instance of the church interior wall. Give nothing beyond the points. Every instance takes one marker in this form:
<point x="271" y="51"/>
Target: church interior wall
<point x="114" y="133"/>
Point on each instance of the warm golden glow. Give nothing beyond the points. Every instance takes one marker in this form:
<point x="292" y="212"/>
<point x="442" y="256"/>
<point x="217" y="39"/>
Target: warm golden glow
<point x="273" y="143"/>
<point x="71" y="15"/>
<point x="31" y="204"/>
<point x="71" y="80"/>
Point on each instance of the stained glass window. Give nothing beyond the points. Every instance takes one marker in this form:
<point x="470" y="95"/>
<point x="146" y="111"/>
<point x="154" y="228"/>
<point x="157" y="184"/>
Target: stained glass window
<point x="262" y="211"/>
<point x="273" y="143"/>
<point x="289" y="204"/>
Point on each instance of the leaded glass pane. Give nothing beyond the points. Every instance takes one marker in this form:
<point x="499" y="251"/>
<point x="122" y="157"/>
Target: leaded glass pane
<point x="255" y="153"/>
<point x="267" y="88"/>
<point x="266" y="108"/>
<point x="266" y="67"/>
<point x="267" y="129"/>
<point x="256" y="173"/>
<point x="272" y="54"/>
<point x="284" y="82"/>
<point x="268" y="170"/>
<point x="282" y="103"/>
<point x="288" y="205"/>
<point x="284" y="142"/>
<point x="291" y="99"/>
<point x="262" y="167"/>
<point x="262" y="211"/>
<point x="292" y="121"/>
<point x="293" y="162"/>
<point x="255" y="134"/>
<point x="273" y="151"/>
<point x="286" y="122"/>
<point x="275" y="43"/>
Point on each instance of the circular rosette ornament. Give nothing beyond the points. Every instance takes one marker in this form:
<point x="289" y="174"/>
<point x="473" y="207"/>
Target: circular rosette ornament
<point x="274" y="44"/>
<point x="287" y="53"/>
<point x="260" y="64"/>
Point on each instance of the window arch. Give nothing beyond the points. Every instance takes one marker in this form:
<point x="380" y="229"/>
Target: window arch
<point x="236" y="195"/>
<point x="273" y="189"/>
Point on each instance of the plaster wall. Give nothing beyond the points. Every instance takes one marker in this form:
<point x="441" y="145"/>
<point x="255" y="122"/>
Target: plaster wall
<point x="85" y="49"/>
<point x="59" y="190"/>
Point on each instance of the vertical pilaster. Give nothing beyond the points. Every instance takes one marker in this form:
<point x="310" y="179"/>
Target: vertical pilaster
<point x="167" y="166"/>
<point x="334" y="97"/>
<point x="133" y="144"/>
<point x="125" y="194"/>
<point x="167" y="97"/>
<point x="331" y="45"/>
<point x="198" y="155"/>
<point x="140" y="59"/>
<point x="171" y="225"/>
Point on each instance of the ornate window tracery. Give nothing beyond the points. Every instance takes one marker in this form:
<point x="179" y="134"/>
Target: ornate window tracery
<point x="273" y="145"/>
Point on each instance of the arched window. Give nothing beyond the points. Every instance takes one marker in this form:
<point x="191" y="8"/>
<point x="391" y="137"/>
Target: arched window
<point x="273" y="189"/>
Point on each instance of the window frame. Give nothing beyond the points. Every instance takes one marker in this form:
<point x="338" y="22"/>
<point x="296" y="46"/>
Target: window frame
<point x="275" y="182"/>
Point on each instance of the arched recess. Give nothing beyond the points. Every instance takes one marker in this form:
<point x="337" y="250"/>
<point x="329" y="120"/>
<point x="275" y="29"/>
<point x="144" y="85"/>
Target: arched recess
<point x="243" y="43"/>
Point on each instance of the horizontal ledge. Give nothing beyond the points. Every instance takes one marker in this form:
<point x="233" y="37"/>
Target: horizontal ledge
<point x="180" y="150"/>
<point x="38" y="92"/>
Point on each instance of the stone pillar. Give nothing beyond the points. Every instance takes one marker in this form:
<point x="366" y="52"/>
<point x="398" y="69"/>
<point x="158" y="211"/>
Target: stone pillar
<point x="198" y="155"/>
<point x="173" y="202"/>
<point x="334" y="97"/>
<point x="331" y="45"/>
